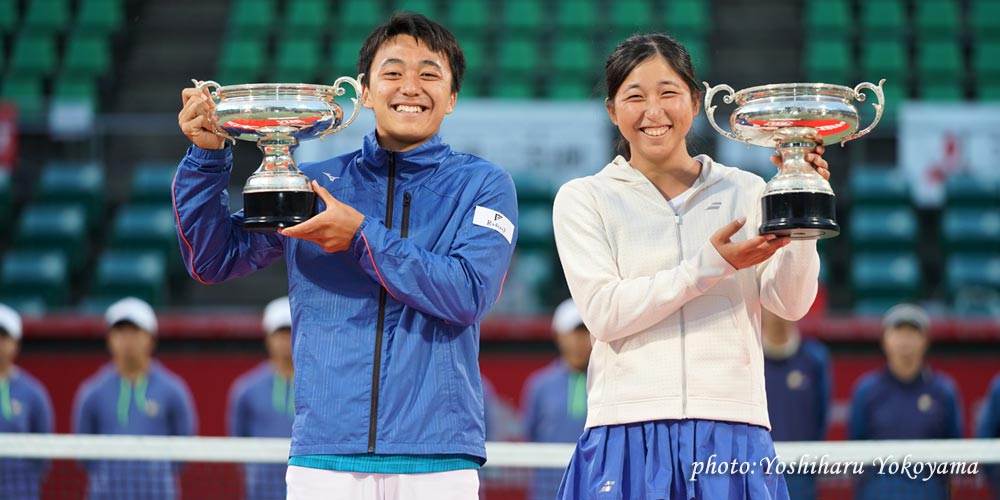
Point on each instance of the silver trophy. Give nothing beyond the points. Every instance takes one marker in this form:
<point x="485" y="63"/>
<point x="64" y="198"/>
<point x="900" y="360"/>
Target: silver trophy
<point x="277" y="116"/>
<point x="793" y="118"/>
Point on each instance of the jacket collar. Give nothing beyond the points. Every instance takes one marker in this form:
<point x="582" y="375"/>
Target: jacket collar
<point x="621" y="170"/>
<point x="426" y="156"/>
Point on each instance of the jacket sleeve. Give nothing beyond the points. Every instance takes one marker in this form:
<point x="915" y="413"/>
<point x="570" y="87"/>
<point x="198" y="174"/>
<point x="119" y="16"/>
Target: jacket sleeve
<point x="857" y="425"/>
<point x="613" y="307"/>
<point x="184" y="421"/>
<point x="789" y="280"/>
<point x="461" y="286"/>
<point x="213" y="244"/>
<point x="988" y="425"/>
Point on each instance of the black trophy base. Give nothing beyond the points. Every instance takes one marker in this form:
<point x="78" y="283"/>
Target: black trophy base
<point x="267" y="211"/>
<point x="801" y="216"/>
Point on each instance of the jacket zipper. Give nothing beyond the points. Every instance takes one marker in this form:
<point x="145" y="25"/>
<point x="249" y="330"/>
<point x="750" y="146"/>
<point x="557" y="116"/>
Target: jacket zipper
<point x="405" y="228"/>
<point x="680" y="250"/>
<point x="380" y="324"/>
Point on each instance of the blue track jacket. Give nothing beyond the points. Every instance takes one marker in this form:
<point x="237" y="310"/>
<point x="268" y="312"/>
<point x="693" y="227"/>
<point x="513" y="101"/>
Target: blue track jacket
<point x="385" y="334"/>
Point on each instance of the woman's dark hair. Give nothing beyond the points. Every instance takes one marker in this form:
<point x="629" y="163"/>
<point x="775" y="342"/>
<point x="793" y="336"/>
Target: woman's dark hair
<point x="425" y="31"/>
<point x="638" y="48"/>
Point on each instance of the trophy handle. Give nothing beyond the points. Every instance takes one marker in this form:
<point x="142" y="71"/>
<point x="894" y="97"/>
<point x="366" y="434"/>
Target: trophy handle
<point x="216" y="98"/>
<point x="339" y="91"/>
<point x="710" y="110"/>
<point x="879" y="108"/>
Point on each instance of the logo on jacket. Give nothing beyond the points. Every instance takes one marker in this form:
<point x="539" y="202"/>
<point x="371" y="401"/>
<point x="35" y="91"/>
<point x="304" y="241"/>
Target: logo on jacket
<point x="152" y="409"/>
<point x="607" y="487"/>
<point x="714" y="205"/>
<point x="329" y="176"/>
<point x="925" y="402"/>
<point x="494" y="220"/>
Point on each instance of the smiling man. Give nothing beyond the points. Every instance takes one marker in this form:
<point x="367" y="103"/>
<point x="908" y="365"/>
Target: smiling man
<point x="387" y="282"/>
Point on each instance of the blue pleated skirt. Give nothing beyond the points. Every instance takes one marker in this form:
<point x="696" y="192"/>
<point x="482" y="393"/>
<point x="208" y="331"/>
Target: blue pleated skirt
<point x="673" y="460"/>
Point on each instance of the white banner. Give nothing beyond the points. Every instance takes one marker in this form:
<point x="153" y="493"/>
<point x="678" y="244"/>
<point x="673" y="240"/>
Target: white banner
<point x="937" y="141"/>
<point x="553" y="141"/>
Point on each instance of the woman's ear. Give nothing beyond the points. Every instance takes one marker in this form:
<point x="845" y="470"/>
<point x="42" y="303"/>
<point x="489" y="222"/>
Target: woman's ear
<point x="610" y="107"/>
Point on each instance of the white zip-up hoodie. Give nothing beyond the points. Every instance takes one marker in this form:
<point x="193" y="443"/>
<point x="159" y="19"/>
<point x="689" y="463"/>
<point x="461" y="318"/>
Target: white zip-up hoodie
<point x="675" y="327"/>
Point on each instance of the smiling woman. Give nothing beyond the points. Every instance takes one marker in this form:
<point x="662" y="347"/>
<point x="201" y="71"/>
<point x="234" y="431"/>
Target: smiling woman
<point x="661" y="257"/>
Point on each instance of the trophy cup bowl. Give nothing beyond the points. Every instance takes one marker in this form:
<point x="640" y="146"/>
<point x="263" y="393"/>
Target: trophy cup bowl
<point x="793" y="118"/>
<point x="277" y="116"/>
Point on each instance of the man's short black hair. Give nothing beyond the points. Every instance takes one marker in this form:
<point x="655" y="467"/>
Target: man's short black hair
<point x="425" y="31"/>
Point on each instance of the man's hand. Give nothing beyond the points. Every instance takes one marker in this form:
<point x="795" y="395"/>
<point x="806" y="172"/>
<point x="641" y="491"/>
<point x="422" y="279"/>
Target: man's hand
<point x="745" y="253"/>
<point x="333" y="228"/>
<point x="195" y="119"/>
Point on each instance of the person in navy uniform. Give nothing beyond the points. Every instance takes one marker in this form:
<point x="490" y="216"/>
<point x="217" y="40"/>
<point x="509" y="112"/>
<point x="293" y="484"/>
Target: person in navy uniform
<point x="904" y="400"/>
<point x="133" y="394"/>
<point x="798" y="379"/>
<point x="25" y="406"/>
<point x="555" y="397"/>
<point x="988" y="427"/>
<point x="262" y="401"/>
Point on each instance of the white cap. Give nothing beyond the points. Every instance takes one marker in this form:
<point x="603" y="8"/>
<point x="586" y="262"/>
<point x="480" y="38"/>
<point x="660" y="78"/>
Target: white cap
<point x="907" y="314"/>
<point x="277" y="315"/>
<point x="566" y="318"/>
<point x="10" y="321"/>
<point x="132" y="310"/>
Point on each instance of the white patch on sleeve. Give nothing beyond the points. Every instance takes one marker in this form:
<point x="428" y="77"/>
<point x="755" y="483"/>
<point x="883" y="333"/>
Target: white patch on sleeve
<point x="495" y="221"/>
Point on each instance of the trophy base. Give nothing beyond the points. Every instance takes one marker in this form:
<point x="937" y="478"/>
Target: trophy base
<point x="800" y="215"/>
<point x="268" y="211"/>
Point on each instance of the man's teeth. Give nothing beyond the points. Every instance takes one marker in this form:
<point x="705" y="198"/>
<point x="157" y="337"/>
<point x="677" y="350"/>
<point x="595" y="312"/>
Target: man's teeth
<point x="402" y="108"/>
<point x="655" y="131"/>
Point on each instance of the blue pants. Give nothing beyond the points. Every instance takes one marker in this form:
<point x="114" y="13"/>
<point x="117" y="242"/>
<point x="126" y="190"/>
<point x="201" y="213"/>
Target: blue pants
<point x="673" y="459"/>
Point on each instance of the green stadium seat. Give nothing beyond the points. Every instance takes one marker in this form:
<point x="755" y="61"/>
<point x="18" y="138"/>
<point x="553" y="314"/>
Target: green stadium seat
<point x="37" y="276"/>
<point x="100" y="17"/>
<point x="986" y="60"/>
<point x="873" y="307"/>
<point x="152" y="183"/>
<point x="61" y="228"/>
<point x="471" y="86"/>
<point x="885" y="276"/>
<point x="297" y="60"/>
<point x="828" y="18"/>
<point x="73" y="183"/>
<point x="577" y="16"/>
<point x="966" y="190"/>
<point x="984" y="19"/>
<point x="952" y="91"/>
<point x="879" y="228"/>
<point x="574" y="57"/>
<point x="988" y="91"/>
<point x="87" y="56"/>
<point x="306" y="18"/>
<point x="884" y="59"/>
<point x="469" y="17"/>
<point x="46" y="16"/>
<point x="939" y="60"/>
<point x="534" y="225"/>
<point x="883" y="18"/>
<point x="34" y="55"/>
<point x="631" y="16"/>
<point x="518" y="57"/>
<point x="27" y="94"/>
<point x="476" y="59"/>
<point x="523" y="16"/>
<point x="938" y="19"/>
<point x="571" y="89"/>
<point x="687" y="17"/>
<point x="131" y="273"/>
<point x="344" y="57"/>
<point x="700" y="59"/>
<point x="972" y="270"/>
<point x="359" y="17"/>
<point x="829" y="61"/>
<point x="518" y="88"/>
<point x="24" y="304"/>
<point x="255" y="17"/>
<point x="148" y="227"/>
<point x="76" y="89"/>
<point x="878" y="185"/>
<point x="971" y="229"/>
<point x="426" y="7"/>
<point x="241" y="60"/>
<point x="8" y="16"/>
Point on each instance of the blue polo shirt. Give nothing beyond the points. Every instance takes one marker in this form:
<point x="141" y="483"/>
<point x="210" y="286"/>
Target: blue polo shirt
<point x="158" y="404"/>
<point x="262" y="404"/>
<point x="988" y="427"/>
<point x="884" y="407"/>
<point x="25" y="406"/>
<point x="555" y="411"/>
